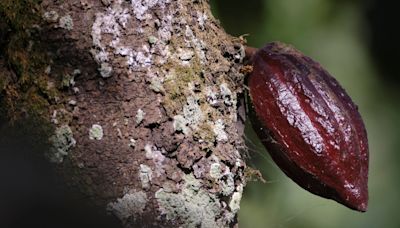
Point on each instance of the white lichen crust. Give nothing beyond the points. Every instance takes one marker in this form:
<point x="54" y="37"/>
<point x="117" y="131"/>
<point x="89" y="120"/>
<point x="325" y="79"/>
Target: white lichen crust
<point x="234" y="204"/>
<point x="219" y="132"/>
<point x="180" y="124"/>
<point x="140" y="116"/>
<point x="130" y="205"/>
<point x="50" y="16"/>
<point x="62" y="141"/>
<point x="195" y="206"/>
<point x="96" y="132"/>
<point x="215" y="170"/>
<point x="105" y="70"/>
<point x="66" y="22"/>
<point x="145" y="176"/>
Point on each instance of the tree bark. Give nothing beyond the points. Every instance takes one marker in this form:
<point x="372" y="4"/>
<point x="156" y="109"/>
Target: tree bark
<point x="141" y="101"/>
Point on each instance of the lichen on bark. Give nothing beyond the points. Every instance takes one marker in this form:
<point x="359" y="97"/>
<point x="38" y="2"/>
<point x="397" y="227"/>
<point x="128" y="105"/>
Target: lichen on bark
<point x="162" y="80"/>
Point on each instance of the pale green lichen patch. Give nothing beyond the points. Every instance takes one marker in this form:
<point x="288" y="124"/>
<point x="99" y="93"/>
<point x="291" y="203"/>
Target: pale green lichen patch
<point x="234" y="204"/>
<point x="105" y="70"/>
<point x="66" y="22"/>
<point x="228" y="185"/>
<point x="156" y="84"/>
<point x="96" y="132"/>
<point x="62" y="141"/>
<point x="131" y="204"/>
<point x="219" y="131"/>
<point x="192" y="112"/>
<point x="145" y="175"/>
<point x="185" y="55"/>
<point x="140" y="116"/>
<point x="180" y="124"/>
<point x="227" y="95"/>
<point x="223" y="177"/>
<point x="215" y="170"/>
<point x="152" y="39"/>
<point x="67" y="80"/>
<point x="193" y="206"/>
<point x="50" y="16"/>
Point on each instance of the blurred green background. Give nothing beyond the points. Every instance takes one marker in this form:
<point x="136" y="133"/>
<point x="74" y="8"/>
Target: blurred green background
<point x="356" y="42"/>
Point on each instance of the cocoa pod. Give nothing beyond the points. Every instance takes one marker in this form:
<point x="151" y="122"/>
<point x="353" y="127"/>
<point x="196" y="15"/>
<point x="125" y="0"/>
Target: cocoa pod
<point x="309" y="125"/>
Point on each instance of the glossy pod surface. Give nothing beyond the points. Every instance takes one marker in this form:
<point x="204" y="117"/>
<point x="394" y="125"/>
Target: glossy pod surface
<point x="309" y="125"/>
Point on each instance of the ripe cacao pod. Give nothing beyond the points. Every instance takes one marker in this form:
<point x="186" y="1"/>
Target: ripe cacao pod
<point x="309" y="125"/>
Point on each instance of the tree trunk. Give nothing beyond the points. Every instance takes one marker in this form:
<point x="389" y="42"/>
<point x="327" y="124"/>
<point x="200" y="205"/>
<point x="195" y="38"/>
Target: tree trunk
<point x="142" y="100"/>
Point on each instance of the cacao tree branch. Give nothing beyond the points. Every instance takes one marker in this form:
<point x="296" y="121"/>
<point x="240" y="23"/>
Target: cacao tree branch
<point x="140" y="99"/>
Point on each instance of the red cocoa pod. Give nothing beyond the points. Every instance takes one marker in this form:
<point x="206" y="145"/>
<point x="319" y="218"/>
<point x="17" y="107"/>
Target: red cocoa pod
<point x="309" y="125"/>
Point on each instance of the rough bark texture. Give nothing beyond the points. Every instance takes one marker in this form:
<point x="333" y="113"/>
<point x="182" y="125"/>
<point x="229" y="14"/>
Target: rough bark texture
<point x="142" y="100"/>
